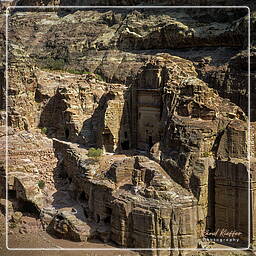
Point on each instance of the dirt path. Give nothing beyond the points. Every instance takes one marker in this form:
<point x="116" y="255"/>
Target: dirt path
<point x="41" y="239"/>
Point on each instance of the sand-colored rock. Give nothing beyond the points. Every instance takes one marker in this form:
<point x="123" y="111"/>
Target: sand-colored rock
<point x="123" y="82"/>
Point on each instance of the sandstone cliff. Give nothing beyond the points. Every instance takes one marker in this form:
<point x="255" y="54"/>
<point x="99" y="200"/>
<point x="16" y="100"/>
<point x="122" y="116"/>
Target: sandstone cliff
<point x="162" y="92"/>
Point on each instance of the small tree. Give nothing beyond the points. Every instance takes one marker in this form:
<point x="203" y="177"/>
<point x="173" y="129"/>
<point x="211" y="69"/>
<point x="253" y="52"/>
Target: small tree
<point x="44" y="130"/>
<point x="41" y="184"/>
<point x="54" y="64"/>
<point x="12" y="225"/>
<point x="95" y="153"/>
<point x="206" y="154"/>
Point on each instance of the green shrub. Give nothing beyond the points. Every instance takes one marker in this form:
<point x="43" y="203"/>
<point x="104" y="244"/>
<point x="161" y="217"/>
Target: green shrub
<point x="41" y="184"/>
<point x="99" y="77"/>
<point x="59" y="65"/>
<point x="81" y="72"/>
<point x="44" y="130"/>
<point x="74" y="71"/>
<point x="12" y="225"/>
<point x="206" y="154"/>
<point x="54" y="64"/>
<point x="95" y="153"/>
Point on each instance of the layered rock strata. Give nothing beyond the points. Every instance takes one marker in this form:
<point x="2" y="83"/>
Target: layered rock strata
<point x="136" y="207"/>
<point x="121" y="81"/>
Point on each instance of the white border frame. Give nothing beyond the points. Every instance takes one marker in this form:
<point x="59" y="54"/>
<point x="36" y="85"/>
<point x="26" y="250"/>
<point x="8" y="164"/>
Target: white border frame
<point x="248" y="139"/>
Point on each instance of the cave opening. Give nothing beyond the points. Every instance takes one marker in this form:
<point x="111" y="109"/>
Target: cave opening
<point x="63" y="174"/>
<point x="11" y="194"/>
<point x="107" y="220"/>
<point x="97" y="218"/>
<point x="125" y="145"/>
<point x="28" y="207"/>
<point x="150" y="141"/>
<point x="86" y="213"/>
<point x="83" y="197"/>
<point x="59" y="217"/>
<point x="108" y="141"/>
<point x="66" y="133"/>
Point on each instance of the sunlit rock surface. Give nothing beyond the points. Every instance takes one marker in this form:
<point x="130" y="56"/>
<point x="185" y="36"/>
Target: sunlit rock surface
<point x="164" y="95"/>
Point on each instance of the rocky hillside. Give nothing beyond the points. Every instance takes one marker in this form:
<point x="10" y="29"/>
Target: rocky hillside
<point x="162" y="92"/>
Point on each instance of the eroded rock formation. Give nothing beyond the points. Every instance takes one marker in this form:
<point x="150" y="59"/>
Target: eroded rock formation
<point x="162" y="93"/>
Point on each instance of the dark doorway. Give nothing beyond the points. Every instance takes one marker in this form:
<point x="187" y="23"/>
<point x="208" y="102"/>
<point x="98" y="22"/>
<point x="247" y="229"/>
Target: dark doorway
<point x="108" y="141"/>
<point x="28" y="207"/>
<point x="11" y="194"/>
<point x="150" y="141"/>
<point x="63" y="174"/>
<point x="107" y="220"/>
<point x="66" y="133"/>
<point x="83" y="198"/>
<point x="125" y="145"/>
<point x="97" y="218"/>
<point x="85" y="213"/>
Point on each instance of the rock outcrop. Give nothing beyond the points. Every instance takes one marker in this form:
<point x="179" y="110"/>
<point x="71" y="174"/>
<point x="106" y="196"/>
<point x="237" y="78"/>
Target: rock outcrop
<point x="162" y="93"/>
<point x="136" y="207"/>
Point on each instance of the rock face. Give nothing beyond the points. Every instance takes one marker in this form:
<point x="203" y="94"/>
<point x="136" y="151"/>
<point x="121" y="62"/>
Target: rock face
<point x="132" y="202"/>
<point x="231" y="192"/>
<point x="162" y="93"/>
<point x="31" y="156"/>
